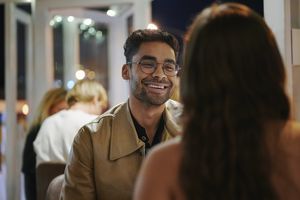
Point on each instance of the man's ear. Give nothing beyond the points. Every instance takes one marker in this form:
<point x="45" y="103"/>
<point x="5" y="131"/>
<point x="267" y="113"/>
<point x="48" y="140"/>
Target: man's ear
<point x="125" y="72"/>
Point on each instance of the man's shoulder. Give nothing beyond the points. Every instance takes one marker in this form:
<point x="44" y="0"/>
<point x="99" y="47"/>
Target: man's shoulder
<point x="112" y="113"/>
<point x="174" y="108"/>
<point x="107" y="118"/>
<point x="174" y="105"/>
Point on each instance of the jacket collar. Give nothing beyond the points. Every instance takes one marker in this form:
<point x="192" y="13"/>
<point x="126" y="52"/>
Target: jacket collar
<point x="172" y="115"/>
<point x="124" y="139"/>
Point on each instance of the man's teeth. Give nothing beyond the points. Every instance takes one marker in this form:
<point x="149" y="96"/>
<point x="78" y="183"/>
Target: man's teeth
<point x="156" y="86"/>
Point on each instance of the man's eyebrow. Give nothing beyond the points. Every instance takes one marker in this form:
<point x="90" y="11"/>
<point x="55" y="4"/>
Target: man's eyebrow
<point x="148" y="57"/>
<point x="170" y="60"/>
<point x="154" y="58"/>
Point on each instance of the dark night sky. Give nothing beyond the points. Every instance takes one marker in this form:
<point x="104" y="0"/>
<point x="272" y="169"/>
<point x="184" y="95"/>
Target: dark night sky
<point x="176" y="15"/>
<point x="171" y="15"/>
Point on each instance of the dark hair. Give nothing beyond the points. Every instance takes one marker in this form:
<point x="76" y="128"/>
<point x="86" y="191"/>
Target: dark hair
<point x="138" y="37"/>
<point x="232" y="88"/>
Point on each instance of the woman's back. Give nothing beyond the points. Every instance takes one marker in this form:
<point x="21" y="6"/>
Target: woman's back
<point x="238" y="141"/>
<point x="160" y="172"/>
<point x="158" y="178"/>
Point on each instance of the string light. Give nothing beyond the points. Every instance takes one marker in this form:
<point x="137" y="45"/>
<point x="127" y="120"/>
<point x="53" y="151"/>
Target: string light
<point x="70" y="18"/>
<point x="111" y="13"/>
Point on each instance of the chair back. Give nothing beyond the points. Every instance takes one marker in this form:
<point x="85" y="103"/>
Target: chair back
<point x="54" y="188"/>
<point x="45" y="173"/>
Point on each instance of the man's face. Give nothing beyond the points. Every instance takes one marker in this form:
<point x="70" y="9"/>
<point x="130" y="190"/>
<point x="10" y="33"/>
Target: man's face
<point x="155" y="88"/>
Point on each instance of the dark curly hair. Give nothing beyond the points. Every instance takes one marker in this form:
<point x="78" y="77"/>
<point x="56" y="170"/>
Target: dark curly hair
<point x="140" y="36"/>
<point x="232" y="89"/>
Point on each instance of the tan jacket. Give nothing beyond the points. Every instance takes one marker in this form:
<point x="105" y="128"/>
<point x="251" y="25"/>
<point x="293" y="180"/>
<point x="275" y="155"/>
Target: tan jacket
<point x="107" y="154"/>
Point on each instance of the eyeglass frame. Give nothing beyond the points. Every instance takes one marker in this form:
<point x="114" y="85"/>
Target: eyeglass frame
<point x="177" y="66"/>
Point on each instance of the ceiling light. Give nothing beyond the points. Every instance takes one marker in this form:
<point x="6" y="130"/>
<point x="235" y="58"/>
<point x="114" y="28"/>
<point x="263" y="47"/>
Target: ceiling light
<point x="152" y="26"/>
<point x="111" y="13"/>
<point x="70" y="18"/>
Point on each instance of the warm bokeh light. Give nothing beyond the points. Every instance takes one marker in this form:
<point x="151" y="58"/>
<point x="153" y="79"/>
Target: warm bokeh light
<point x="152" y="26"/>
<point x="80" y="74"/>
<point x="25" y="109"/>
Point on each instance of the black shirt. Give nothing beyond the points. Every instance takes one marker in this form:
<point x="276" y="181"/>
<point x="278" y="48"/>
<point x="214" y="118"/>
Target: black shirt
<point x="142" y="135"/>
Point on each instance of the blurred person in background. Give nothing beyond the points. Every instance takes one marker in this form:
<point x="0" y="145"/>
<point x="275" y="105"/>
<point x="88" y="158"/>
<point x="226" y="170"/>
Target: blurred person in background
<point x="86" y="100"/>
<point x="238" y="141"/>
<point x="52" y="102"/>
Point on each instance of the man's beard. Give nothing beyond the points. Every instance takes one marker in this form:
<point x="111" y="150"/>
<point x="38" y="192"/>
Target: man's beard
<point x="155" y="100"/>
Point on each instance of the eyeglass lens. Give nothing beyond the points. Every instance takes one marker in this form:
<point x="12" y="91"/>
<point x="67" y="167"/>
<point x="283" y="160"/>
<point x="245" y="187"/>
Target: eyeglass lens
<point x="149" y="66"/>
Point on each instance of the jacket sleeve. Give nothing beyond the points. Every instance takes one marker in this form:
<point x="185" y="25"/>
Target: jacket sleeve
<point x="79" y="173"/>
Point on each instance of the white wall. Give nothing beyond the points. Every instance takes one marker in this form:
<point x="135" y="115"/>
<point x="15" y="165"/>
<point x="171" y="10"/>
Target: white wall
<point x="284" y="19"/>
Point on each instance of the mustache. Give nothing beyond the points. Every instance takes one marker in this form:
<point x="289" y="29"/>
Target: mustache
<point x="155" y="80"/>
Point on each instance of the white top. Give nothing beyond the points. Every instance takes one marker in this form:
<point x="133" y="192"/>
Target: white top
<point x="55" y="137"/>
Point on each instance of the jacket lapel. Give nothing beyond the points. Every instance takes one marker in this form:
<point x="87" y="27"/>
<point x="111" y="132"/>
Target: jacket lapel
<point x="124" y="140"/>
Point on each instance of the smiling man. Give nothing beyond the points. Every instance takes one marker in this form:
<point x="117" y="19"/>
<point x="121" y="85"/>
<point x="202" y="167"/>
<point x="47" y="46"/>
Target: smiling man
<point x="107" y="153"/>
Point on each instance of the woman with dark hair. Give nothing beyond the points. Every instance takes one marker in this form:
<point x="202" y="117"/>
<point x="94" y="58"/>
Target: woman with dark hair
<point x="238" y="139"/>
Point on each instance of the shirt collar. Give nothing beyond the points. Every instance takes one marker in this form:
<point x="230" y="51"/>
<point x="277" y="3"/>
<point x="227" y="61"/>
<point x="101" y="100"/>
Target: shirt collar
<point x="142" y="134"/>
<point x="124" y="137"/>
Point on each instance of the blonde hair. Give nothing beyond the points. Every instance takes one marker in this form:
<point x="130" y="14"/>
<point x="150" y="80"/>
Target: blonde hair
<point x="85" y="91"/>
<point x="49" y="100"/>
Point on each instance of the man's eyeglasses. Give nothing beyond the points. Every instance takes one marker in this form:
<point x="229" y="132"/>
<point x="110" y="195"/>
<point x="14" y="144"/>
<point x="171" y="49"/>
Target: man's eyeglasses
<point x="149" y="66"/>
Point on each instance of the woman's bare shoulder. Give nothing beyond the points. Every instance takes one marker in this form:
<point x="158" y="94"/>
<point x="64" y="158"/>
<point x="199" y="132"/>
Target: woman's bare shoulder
<point x="291" y="137"/>
<point x="168" y="147"/>
<point x="292" y="130"/>
<point x="159" y="171"/>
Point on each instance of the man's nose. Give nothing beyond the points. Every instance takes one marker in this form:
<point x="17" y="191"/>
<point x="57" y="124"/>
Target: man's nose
<point x="159" y="72"/>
